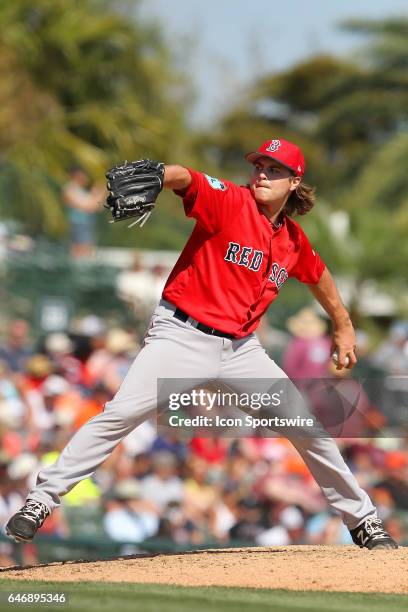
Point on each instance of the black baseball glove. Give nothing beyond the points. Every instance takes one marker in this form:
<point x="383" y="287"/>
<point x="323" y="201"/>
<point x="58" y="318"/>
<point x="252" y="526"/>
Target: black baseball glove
<point x="133" y="189"/>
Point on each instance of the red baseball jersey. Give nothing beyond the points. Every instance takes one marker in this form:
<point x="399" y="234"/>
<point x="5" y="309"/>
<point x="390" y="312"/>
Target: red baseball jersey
<point x="235" y="262"/>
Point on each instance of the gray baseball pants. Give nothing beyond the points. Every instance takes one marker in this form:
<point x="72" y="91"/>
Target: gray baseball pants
<point x="174" y="349"/>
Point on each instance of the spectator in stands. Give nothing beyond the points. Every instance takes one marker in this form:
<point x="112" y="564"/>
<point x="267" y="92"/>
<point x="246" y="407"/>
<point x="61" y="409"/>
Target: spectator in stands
<point x="395" y="478"/>
<point x="308" y="353"/>
<point x="10" y="496"/>
<point x="251" y="520"/>
<point x="128" y="517"/>
<point x="284" y="525"/>
<point x="122" y="348"/>
<point x="288" y="482"/>
<point x="163" y="485"/>
<point x="12" y="408"/>
<point x="82" y="201"/>
<point x="60" y="349"/>
<point x="45" y="409"/>
<point x="9" y="501"/>
<point x="199" y="492"/>
<point x="172" y="443"/>
<point x="213" y="450"/>
<point x="326" y="528"/>
<point x="175" y="526"/>
<point x="17" y="347"/>
<point x="392" y="355"/>
<point x="98" y="357"/>
<point x="137" y="287"/>
<point x="61" y="401"/>
<point x="92" y="405"/>
<point x="397" y="528"/>
<point x="225" y="512"/>
<point x="392" y="358"/>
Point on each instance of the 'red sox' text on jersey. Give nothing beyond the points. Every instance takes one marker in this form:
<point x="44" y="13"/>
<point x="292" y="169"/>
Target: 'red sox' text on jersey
<point x="235" y="262"/>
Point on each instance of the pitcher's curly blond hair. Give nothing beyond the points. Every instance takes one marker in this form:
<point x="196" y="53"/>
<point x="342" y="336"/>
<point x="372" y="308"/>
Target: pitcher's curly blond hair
<point x="301" y="200"/>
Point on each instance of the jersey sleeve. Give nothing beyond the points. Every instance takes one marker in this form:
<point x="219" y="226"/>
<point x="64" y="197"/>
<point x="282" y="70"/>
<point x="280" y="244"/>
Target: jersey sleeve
<point x="210" y="201"/>
<point x="309" y="266"/>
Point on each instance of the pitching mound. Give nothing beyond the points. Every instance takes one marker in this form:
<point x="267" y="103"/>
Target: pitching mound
<point x="314" y="568"/>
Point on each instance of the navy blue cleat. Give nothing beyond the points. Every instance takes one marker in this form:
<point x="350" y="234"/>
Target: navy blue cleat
<point x="372" y="535"/>
<point x="23" y="525"/>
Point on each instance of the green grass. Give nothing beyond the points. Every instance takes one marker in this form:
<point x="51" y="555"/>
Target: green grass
<point x="125" y="597"/>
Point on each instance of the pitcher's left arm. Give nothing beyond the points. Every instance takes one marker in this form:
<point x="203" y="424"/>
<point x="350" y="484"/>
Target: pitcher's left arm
<point x="344" y="337"/>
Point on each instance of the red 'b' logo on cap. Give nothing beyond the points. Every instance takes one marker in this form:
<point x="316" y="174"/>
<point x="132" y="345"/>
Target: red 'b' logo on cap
<point x="273" y="146"/>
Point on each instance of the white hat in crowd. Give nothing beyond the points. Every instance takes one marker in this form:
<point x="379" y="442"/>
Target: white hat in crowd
<point x="59" y="343"/>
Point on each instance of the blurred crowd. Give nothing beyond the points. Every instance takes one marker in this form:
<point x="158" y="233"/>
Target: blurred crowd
<point x="252" y="491"/>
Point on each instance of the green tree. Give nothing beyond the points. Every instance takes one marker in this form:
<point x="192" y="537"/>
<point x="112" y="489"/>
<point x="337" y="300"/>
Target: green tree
<point x="350" y="118"/>
<point x="375" y="195"/>
<point x="82" y="82"/>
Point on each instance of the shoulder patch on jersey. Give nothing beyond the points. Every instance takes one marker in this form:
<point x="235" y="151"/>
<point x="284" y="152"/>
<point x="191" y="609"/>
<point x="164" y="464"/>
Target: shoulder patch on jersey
<point x="216" y="183"/>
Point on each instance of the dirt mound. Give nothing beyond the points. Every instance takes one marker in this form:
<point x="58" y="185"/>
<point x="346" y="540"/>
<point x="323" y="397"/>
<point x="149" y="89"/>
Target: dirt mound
<point x="328" y="568"/>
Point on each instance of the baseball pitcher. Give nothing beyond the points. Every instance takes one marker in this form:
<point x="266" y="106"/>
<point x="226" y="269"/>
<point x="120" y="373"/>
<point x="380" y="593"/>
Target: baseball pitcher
<point x="244" y="246"/>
